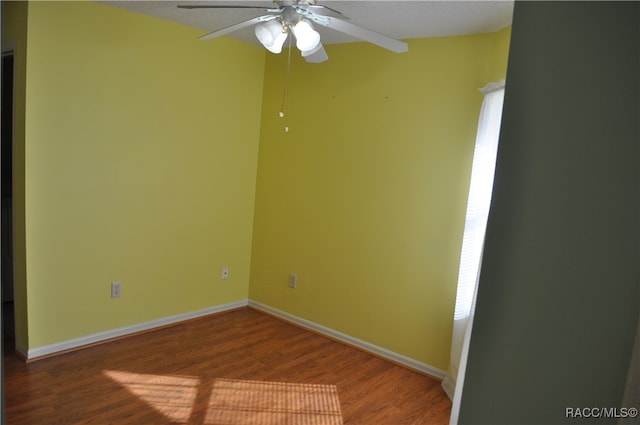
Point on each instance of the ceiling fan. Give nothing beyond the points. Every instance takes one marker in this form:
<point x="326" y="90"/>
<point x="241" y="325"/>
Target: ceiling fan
<point x="297" y="16"/>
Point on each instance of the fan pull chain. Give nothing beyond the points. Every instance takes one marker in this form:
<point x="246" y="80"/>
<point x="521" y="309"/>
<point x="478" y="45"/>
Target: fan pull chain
<point x="285" y="95"/>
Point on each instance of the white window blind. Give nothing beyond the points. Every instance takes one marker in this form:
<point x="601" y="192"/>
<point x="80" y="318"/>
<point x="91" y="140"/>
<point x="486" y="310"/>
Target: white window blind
<point x="482" y="173"/>
<point x="480" y="189"/>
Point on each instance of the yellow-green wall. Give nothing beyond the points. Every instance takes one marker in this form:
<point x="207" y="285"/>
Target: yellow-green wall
<point x="365" y="197"/>
<point x="141" y="147"/>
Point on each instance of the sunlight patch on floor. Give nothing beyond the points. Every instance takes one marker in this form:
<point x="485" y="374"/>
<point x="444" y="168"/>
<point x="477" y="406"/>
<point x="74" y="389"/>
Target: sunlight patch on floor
<point x="235" y="402"/>
<point x="171" y="396"/>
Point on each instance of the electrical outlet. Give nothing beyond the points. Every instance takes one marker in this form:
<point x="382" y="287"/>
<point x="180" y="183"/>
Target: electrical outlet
<point x="225" y="272"/>
<point x="116" y="289"/>
<point x="293" y="280"/>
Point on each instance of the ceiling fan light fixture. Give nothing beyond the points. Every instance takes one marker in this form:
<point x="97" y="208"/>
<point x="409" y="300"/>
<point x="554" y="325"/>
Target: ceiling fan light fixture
<point x="307" y="38"/>
<point x="272" y="35"/>
<point x="276" y="47"/>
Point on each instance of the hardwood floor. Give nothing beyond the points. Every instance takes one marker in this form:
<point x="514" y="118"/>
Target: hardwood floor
<point x="240" y="367"/>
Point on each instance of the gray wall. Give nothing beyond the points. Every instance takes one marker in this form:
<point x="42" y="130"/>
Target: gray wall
<point x="559" y="296"/>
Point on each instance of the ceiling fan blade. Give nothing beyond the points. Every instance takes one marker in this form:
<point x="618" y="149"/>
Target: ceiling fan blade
<point x="209" y="6"/>
<point x="317" y="55"/>
<point x="235" y="27"/>
<point x="362" y="33"/>
<point x="324" y="11"/>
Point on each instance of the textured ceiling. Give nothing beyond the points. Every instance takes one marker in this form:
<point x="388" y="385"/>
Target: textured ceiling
<point x="396" y="18"/>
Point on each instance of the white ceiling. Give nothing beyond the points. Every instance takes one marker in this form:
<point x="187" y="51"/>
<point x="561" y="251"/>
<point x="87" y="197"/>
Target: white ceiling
<point x="396" y="18"/>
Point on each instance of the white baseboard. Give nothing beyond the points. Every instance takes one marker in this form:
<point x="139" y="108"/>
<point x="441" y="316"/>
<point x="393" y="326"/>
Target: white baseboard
<point x="47" y="350"/>
<point x="349" y="340"/>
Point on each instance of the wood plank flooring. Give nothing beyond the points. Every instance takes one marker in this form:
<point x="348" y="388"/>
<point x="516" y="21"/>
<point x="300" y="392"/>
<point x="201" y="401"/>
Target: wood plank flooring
<point x="173" y="375"/>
